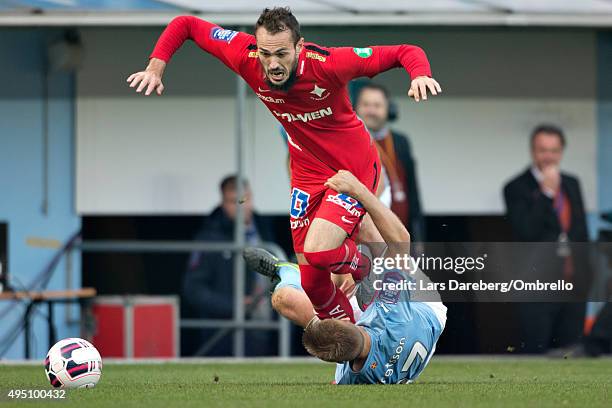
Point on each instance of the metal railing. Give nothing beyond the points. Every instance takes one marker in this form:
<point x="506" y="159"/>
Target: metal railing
<point x="238" y="323"/>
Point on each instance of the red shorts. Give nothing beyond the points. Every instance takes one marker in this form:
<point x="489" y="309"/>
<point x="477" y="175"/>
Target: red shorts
<point x="311" y="199"/>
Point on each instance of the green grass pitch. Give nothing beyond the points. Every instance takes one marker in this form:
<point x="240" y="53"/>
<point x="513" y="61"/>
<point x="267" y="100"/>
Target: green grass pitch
<point x="444" y="383"/>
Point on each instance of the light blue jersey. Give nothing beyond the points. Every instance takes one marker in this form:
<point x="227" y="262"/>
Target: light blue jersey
<point x="403" y="338"/>
<point x="403" y="332"/>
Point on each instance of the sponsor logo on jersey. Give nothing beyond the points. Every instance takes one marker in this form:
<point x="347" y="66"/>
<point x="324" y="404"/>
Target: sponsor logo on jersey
<point x="269" y="98"/>
<point x="390" y="365"/>
<point x="343" y="218"/>
<point x="300" y="223"/>
<point x="351" y="205"/>
<point x="252" y="54"/>
<point x="386" y="295"/>
<point x="221" y="34"/>
<point x="315" y="56"/>
<point x="319" y="92"/>
<point x="363" y="52"/>
<point x="299" y="206"/>
<point x="299" y="203"/>
<point x="305" y="116"/>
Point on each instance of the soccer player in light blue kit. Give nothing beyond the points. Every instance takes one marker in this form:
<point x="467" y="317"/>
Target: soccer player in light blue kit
<point x="395" y="337"/>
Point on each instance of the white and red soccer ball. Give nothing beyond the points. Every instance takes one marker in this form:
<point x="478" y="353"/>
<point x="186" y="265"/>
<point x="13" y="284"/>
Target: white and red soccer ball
<point x="73" y="363"/>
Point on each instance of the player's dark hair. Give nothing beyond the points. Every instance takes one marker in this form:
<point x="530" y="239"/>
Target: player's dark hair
<point x="279" y="19"/>
<point x="333" y="340"/>
<point x="549" y="130"/>
<point x="229" y="183"/>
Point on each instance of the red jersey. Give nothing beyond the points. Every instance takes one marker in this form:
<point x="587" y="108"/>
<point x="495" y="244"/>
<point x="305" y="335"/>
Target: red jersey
<point x="324" y="130"/>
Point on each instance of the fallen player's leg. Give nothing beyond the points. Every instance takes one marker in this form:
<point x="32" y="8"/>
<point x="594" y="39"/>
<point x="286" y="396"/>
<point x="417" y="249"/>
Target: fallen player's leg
<point x="288" y="297"/>
<point x="293" y="304"/>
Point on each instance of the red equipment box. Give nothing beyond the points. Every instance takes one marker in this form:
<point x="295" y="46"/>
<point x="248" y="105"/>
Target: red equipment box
<point x="136" y="326"/>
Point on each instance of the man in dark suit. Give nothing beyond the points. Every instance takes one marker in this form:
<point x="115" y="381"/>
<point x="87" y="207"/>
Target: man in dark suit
<point x="208" y="285"/>
<point x="545" y="205"/>
<point x="374" y="107"/>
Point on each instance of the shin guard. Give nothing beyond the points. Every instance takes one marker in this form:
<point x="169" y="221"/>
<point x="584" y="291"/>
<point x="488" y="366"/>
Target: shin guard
<point x="344" y="259"/>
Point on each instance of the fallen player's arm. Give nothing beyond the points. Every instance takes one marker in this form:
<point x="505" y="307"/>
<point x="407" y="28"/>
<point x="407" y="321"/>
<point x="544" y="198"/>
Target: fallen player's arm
<point x="208" y="36"/>
<point x="389" y="226"/>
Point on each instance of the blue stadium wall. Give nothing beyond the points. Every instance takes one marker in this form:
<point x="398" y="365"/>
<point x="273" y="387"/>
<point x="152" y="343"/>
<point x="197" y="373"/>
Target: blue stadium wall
<point x="21" y="174"/>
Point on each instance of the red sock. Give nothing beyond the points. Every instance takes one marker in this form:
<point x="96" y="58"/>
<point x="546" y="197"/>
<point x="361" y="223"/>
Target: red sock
<point x="344" y="259"/>
<point x="328" y="301"/>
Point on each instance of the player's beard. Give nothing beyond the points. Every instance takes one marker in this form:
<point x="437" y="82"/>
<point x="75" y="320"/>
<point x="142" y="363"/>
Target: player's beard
<point x="285" y="86"/>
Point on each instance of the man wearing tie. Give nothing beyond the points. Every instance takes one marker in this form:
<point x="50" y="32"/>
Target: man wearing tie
<point x="545" y="205"/>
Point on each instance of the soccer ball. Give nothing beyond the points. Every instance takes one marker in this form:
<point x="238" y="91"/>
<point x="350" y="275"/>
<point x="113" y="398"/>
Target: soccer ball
<point x="73" y="363"/>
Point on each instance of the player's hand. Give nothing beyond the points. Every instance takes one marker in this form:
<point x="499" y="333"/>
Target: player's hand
<point x="150" y="79"/>
<point x="345" y="182"/>
<point x="420" y="85"/>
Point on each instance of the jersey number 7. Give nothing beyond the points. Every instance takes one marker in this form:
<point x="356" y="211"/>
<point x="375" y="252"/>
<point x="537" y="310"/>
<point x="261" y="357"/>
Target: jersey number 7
<point x="418" y="350"/>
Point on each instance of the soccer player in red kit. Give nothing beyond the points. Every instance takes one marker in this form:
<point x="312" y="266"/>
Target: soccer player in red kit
<point x="304" y="86"/>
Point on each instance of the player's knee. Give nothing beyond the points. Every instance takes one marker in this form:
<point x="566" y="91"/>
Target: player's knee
<point x="312" y="245"/>
<point x="280" y="299"/>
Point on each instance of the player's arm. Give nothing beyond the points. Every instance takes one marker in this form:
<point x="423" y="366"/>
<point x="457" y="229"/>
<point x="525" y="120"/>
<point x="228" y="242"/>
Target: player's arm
<point x="227" y="45"/>
<point x="390" y="227"/>
<point x="349" y="63"/>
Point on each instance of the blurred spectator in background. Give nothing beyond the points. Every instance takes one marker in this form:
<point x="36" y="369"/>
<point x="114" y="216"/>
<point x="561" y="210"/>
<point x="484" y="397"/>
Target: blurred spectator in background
<point x="208" y="285"/>
<point x="545" y="205"/>
<point x="599" y="339"/>
<point x="374" y="107"/>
